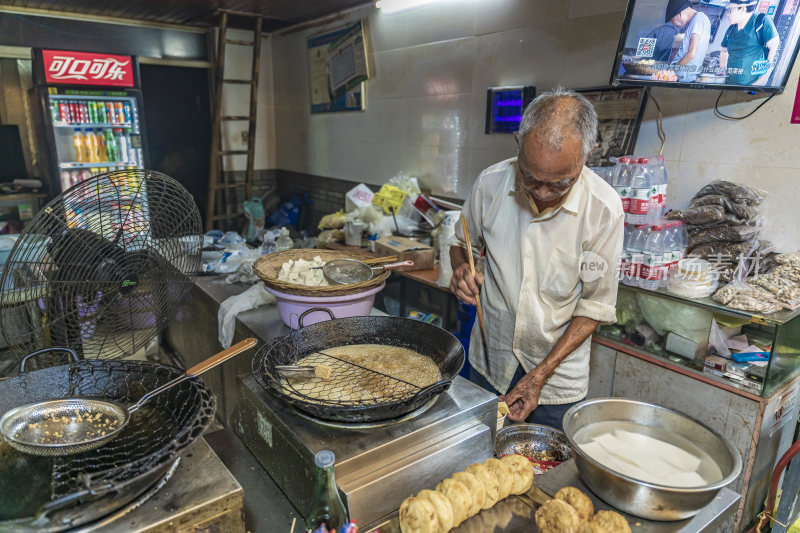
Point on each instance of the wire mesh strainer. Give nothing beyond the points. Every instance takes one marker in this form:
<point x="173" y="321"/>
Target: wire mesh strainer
<point x="75" y="425"/>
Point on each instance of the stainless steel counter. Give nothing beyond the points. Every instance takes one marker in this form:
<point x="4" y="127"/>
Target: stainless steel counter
<point x="267" y="509"/>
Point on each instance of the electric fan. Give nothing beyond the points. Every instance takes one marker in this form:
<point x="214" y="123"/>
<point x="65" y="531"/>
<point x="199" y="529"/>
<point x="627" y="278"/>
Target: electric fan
<point x="102" y="268"/>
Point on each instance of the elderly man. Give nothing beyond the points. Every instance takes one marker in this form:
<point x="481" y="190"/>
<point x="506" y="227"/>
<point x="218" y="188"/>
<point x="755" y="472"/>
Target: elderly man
<point x="551" y="230"/>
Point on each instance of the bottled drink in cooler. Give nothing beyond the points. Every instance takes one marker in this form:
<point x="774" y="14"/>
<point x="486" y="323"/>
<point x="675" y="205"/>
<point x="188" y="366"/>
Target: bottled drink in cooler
<point x="126" y="107"/>
<point x="77" y="142"/>
<point x="101" y="113"/>
<point x="55" y="114"/>
<point x="653" y="267"/>
<point x="120" y="114"/>
<point x="111" y="146"/>
<point x="102" y="150"/>
<point x="91" y="147"/>
<point x="326" y="506"/>
<point x="621" y="182"/>
<point x="122" y="145"/>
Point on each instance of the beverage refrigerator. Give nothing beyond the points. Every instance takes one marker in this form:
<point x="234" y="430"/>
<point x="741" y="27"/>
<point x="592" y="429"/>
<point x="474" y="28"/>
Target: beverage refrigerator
<point x="92" y="109"/>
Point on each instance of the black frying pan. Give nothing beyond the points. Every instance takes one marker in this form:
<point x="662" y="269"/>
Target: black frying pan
<point x="426" y="339"/>
<point x="66" y="492"/>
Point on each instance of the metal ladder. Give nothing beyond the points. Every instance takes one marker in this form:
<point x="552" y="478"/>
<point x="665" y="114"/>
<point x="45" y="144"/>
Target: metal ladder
<point x="218" y="187"/>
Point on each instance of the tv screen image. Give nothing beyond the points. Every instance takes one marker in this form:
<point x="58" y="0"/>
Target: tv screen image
<point x="723" y="44"/>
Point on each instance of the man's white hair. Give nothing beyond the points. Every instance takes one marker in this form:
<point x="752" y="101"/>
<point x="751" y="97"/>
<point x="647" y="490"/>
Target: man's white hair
<point x="557" y="114"/>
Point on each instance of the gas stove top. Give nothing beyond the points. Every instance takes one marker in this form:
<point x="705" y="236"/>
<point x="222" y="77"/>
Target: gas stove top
<point x="377" y="465"/>
<point x="198" y="491"/>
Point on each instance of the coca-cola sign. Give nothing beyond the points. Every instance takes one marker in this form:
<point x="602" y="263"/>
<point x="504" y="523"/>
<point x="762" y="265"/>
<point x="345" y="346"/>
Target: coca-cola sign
<point x="85" y="68"/>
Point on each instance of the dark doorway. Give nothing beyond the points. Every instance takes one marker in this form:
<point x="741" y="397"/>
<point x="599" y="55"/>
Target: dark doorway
<point x="178" y="125"/>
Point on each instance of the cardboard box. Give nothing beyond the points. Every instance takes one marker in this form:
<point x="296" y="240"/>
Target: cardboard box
<point x="406" y="249"/>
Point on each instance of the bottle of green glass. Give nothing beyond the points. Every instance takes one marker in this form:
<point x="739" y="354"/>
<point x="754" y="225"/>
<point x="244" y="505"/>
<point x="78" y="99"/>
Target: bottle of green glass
<point x="326" y="507"/>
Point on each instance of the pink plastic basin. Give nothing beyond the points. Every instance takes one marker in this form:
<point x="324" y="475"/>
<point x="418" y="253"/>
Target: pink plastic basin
<point x="291" y="306"/>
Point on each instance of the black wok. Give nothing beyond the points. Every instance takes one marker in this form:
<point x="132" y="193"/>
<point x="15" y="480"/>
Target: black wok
<point x="441" y="346"/>
<point x="53" y="494"/>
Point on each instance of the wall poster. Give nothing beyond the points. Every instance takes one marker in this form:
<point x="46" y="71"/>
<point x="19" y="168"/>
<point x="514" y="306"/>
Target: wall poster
<point x="337" y="65"/>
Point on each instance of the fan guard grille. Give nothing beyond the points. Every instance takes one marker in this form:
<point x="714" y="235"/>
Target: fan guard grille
<point x="102" y="267"/>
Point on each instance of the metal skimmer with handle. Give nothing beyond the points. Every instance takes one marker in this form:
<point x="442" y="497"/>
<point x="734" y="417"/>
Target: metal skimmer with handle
<point x="63" y="492"/>
<point x="349" y="271"/>
<point x="73" y="425"/>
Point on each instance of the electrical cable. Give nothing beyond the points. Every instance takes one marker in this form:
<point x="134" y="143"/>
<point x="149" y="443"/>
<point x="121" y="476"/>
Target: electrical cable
<point x="662" y="136"/>
<point x="723" y="116"/>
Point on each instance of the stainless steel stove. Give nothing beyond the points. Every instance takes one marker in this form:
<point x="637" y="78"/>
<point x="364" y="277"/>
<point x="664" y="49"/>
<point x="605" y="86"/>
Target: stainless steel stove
<point x="197" y="494"/>
<point x="377" y="465"/>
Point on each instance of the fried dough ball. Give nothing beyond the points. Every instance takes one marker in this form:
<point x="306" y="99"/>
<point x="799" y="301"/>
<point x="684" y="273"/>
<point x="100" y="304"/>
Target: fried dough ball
<point x="612" y="522"/>
<point x="522" y="473"/>
<point x="504" y="476"/>
<point x="459" y="496"/>
<point x="476" y="490"/>
<point x="442" y="506"/>
<point x="591" y="527"/>
<point x="557" y="516"/>
<point x="490" y="483"/>
<point x="578" y="500"/>
<point x="417" y="515"/>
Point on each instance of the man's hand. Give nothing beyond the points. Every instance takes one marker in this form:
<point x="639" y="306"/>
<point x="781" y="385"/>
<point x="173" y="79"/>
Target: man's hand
<point x="524" y="398"/>
<point x="464" y="285"/>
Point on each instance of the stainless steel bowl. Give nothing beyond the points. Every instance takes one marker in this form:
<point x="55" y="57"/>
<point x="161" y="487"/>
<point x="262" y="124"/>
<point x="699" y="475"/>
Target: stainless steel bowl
<point x="533" y="441"/>
<point x="639" y="498"/>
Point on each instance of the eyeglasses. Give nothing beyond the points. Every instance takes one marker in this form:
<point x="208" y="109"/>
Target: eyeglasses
<point x="560" y="185"/>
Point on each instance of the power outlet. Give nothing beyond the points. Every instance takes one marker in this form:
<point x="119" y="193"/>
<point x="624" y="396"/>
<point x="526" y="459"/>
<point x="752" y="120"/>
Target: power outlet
<point x="244" y="137"/>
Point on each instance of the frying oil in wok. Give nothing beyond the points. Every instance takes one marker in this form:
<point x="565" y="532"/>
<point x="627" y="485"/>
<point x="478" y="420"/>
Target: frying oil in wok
<point x="24" y="482"/>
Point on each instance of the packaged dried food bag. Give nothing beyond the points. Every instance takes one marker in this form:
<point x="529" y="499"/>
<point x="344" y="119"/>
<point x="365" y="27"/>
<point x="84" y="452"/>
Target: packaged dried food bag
<point x="734" y="191"/>
<point x="738" y="209"/>
<point x="702" y="214"/>
<point x="742" y="295"/>
<point x="723" y="233"/>
<point x="723" y="249"/>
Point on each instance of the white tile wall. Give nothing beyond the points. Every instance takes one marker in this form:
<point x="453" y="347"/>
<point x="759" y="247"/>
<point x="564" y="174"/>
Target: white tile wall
<point x="426" y="103"/>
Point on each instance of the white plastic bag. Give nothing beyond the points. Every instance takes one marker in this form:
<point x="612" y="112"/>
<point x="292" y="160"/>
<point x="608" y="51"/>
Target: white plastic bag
<point x="718" y="341"/>
<point x="253" y="297"/>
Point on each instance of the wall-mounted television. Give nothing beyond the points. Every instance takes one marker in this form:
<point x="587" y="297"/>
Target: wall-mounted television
<point x="709" y="44"/>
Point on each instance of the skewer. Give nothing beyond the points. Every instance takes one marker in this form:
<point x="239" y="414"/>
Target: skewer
<point x="472" y="269"/>
<point x="293" y="521"/>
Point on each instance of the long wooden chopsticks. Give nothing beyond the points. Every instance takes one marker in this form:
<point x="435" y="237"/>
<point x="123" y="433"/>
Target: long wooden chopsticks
<point x="472" y="269"/>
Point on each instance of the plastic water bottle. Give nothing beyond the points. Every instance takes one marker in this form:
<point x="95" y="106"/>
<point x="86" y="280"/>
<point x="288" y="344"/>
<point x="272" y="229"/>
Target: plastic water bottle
<point x="660" y="175"/>
<point x="670" y="246"/>
<point x="284" y="241"/>
<point x="681" y="239"/>
<point x="653" y="214"/>
<point x="640" y="193"/>
<point x="634" y="254"/>
<point x="626" y="240"/>
<point x="621" y="181"/>
<point x="652" y="271"/>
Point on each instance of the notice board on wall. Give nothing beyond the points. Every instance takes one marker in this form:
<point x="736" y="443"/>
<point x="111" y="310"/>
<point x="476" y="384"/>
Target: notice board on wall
<point x="619" y="115"/>
<point x="337" y="65"/>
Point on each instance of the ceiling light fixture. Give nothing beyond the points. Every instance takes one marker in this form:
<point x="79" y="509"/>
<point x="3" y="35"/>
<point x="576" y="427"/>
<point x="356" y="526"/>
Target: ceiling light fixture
<point x="395" y="6"/>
